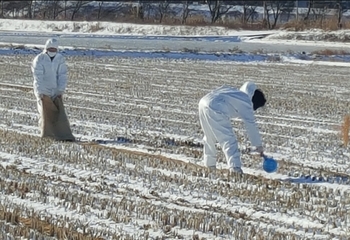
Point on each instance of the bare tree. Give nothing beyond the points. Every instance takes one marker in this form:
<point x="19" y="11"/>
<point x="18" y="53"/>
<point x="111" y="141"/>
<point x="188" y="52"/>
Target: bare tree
<point x="28" y="7"/>
<point x="100" y="4"/>
<point x="217" y="9"/>
<point x="275" y="7"/>
<point x="50" y="9"/>
<point x="56" y="8"/>
<point x="319" y="14"/>
<point x="185" y="11"/>
<point x="76" y="6"/>
<point x="4" y="7"/>
<point x="65" y="9"/>
<point x="17" y="8"/>
<point x="139" y="10"/>
<point x="162" y="10"/>
<point x="249" y="8"/>
<point x="309" y="6"/>
<point x="287" y="9"/>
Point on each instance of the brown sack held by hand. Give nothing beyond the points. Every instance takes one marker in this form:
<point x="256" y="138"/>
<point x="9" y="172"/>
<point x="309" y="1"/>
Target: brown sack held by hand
<point x="49" y="116"/>
<point x="55" y="123"/>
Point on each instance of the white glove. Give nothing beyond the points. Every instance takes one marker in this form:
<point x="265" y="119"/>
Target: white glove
<point x="57" y="95"/>
<point x="260" y="150"/>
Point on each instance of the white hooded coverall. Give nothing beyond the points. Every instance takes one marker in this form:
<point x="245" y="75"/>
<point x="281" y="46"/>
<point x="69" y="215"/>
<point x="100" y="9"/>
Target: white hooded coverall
<point x="215" y="111"/>
<point x="50" y="76"/>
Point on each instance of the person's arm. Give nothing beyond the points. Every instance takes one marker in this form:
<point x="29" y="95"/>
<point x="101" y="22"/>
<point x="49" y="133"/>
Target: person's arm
<point x="62" y="75"/>
<point x="38" y="75"/>
<point x="247" y="114"/>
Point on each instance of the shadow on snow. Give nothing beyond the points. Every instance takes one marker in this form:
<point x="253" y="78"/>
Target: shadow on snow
<point x="319" y="180"/>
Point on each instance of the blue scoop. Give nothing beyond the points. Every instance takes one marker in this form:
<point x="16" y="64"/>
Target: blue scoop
<point x="269" y="164"/>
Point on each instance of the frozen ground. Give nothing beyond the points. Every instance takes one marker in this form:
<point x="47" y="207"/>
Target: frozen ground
<point x="145" y="178"/>
<point x="141" y="181"/>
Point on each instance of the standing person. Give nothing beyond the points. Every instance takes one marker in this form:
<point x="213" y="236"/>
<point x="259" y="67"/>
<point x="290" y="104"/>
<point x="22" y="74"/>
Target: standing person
<point x="50" y="80"/>
<point x="215" y="111"/>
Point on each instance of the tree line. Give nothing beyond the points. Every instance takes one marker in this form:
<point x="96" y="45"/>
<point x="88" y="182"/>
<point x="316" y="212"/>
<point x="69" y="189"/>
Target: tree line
<point x="218" y="11"/>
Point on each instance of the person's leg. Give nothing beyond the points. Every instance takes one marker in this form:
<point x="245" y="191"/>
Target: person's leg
<point x="223" y="132"/>
<point x="40" y="115"/>
<point x="209" y="140"/>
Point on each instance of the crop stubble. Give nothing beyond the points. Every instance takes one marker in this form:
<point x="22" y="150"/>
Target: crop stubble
<point x="153" y="104"/>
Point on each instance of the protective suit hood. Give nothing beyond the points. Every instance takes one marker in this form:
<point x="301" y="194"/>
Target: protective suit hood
<point x="248" y="88"/>
<point x="51" y="43"/>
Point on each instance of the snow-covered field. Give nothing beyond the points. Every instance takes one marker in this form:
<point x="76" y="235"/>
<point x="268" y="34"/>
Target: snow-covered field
<point x="141" y="180"/>
<point x="144" y="179"/>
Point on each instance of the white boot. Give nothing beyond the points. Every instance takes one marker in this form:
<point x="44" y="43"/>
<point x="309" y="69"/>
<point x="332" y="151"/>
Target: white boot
<point x="236" y="170"/>
<point x="212" y="168"/>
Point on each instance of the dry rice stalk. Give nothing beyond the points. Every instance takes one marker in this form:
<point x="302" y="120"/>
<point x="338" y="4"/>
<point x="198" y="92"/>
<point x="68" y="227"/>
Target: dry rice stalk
<point x="345" y="130"/>
<point x="43" y="227"/>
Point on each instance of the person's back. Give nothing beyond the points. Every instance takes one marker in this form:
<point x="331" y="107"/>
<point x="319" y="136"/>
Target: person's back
<point x="227" y="100"/>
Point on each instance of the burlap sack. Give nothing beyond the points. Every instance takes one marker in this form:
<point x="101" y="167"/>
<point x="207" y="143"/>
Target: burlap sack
<point x="54" y="122"/>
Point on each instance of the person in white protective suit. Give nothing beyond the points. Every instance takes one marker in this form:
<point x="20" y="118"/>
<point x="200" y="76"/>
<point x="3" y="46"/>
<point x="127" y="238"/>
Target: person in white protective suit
<point x="215" y="111"/>
<point x="50" y="81"/>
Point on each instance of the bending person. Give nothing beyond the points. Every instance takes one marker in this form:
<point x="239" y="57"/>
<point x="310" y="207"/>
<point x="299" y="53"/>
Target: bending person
<point x="215" y="111"/>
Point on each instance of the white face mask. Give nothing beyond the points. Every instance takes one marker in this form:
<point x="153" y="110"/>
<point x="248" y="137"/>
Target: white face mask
<point x="51" y="54"/>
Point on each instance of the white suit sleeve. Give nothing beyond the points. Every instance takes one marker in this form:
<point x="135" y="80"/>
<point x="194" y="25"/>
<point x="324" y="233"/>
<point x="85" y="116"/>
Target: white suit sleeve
<point x="38" y="75"/>
<point x="62" y="73"/>
<point x="247" y="114"/>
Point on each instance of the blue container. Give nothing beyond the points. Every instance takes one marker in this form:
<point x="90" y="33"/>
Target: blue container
<point x="269" y="164"/>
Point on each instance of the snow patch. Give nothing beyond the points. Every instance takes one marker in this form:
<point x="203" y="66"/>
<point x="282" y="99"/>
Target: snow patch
<point x="337" y="60"/>
<point x="110" y="28"/>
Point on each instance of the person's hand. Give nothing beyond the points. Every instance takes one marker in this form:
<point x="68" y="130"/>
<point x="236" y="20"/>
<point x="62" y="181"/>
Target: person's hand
<point x="260" y="150"/>
<point x="59" y="95"/>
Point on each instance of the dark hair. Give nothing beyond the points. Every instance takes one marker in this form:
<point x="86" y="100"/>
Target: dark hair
<point x="258" y="99"/>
